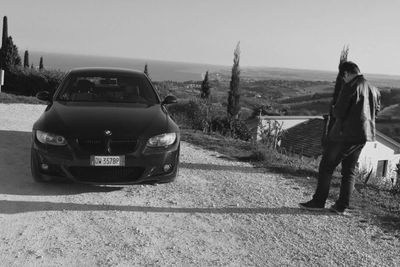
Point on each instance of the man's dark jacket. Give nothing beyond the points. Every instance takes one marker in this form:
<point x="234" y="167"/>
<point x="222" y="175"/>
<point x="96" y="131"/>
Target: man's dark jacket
<point x="355" y="111"/>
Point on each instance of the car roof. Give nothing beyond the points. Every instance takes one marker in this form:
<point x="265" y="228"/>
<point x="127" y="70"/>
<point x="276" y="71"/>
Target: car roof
<point x="105" y="70"/>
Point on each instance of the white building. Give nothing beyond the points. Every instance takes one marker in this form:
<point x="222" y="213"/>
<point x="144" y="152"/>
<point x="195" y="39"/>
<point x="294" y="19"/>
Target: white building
<point x="379" y="159"/>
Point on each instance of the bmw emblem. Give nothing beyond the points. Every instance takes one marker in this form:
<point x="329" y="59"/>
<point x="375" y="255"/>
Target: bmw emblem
<point x="107" y="133"/>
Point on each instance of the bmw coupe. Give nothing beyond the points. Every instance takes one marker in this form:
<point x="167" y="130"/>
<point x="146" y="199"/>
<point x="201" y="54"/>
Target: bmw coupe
<point x="105" y="126"/>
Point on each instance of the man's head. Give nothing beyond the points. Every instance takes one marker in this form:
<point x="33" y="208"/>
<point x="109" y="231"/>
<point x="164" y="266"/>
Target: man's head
<point x="349" y="70"/>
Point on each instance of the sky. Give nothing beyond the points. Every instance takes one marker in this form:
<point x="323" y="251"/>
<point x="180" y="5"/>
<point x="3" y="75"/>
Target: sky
<point x="304" y="34"/>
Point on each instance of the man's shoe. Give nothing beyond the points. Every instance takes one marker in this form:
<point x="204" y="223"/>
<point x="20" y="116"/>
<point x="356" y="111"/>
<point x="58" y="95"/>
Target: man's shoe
<point x="337" y="209"/>
<point x="311" y="205"/>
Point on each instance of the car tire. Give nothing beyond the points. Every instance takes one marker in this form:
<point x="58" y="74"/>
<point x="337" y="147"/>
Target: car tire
<point x="37" y="177"/>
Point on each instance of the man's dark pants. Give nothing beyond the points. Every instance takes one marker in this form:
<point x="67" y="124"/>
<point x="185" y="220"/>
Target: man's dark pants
<point x="333" y="154"/>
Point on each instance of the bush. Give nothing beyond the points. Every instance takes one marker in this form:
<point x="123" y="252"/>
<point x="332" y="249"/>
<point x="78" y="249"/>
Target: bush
<point x="240" y="130"/>
<point x="194" y="114"/>
<point x="271" y="133"/>
<point x="28" y="82"/>
<point x="279" y="161"/>
<point x="200" y="114"/>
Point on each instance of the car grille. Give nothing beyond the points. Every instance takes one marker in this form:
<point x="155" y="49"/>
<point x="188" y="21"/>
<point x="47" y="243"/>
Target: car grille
<point x="106" y="174"/>
<point x="112" y="146"/>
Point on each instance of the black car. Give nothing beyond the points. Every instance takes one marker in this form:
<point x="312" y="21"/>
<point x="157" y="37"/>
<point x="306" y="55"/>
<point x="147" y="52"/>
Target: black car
<point x="105" y="126"/>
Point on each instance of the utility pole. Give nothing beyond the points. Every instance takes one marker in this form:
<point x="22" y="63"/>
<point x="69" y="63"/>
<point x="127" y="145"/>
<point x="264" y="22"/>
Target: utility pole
<point x="1" y="78"/>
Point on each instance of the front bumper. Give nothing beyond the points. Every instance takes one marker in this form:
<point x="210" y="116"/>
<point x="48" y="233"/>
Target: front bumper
<point x="141" y="165"/>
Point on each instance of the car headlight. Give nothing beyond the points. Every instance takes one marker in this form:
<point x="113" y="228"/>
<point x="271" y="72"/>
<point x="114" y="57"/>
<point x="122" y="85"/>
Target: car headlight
<point x="162" y="140"/>
<point x="50" y="139"/>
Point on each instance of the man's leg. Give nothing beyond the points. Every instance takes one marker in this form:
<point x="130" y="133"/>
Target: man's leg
<point x="349" y="172"/>
<point x="332" y="156"/>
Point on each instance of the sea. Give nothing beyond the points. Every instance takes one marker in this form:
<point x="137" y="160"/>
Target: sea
<point x="183" y="71"/>
<point x="158" y="70"/>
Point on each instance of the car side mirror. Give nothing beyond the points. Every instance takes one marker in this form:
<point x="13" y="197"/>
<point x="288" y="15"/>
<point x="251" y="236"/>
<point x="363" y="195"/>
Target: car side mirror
<point x="44" y="96"/>
<point x="170" y="99"/>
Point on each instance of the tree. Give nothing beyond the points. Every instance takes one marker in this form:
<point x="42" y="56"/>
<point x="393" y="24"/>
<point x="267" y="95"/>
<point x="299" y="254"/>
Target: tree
<point x="41" y="64"/>
<point x="146" y="71"/>
<point x="9" y="55"/>
<point x="5" y="32"/>
<point x="3" y="41"/>
<point x="26" y="59"/>
<point x="330" y="119"/>
<point x="338" y="84"/>
<point x="234" y="94"/>
<point x="205" y="87"/>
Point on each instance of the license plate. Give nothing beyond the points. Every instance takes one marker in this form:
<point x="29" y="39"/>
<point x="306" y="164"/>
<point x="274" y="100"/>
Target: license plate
<point x="107" y="160"/>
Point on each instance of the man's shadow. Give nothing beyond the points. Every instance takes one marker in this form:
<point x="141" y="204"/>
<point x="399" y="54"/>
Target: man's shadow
<point x="14" y="207"/>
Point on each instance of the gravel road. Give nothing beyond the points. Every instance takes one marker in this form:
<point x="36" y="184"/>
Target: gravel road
<point x="218" y="212"/>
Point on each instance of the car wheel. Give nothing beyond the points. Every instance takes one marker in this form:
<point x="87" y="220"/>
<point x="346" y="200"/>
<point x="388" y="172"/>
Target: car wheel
<point x="37" y="177"/>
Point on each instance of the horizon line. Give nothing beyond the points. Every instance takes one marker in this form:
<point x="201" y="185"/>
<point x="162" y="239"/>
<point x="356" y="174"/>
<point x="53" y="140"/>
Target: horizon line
<point x="208" y="64"/>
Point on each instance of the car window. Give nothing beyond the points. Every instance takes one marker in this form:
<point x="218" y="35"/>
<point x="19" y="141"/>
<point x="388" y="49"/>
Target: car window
<point x="108" y="88"/>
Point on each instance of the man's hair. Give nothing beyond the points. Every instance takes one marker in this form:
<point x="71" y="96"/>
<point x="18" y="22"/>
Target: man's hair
<point x="349" y="67"/>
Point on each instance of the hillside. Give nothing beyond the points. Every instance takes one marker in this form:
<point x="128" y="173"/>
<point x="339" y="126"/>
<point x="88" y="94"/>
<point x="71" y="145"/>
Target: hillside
<point x="284" y="97"/>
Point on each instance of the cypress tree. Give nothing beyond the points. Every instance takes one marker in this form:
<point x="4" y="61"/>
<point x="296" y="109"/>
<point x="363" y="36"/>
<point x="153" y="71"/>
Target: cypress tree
<point x="330" y="119"/>
<point x="234" y="94"/>
<point x="26" y="59"/>
<point x="5" y="32"/>
<point x="9" y="54"/>
<point x="146" y="71"/>
<point x="3" y="42"/>
<point x="205" y="87"/>
<point x="41" y="67"/>
<point x="339" y="81"/>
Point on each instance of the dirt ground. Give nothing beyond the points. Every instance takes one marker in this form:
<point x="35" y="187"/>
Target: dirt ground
<point x="218" y="213"/>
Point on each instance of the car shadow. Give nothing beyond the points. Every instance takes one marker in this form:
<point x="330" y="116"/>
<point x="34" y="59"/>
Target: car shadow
<point x="13" y="207"/>
<point x="15" y="173"/>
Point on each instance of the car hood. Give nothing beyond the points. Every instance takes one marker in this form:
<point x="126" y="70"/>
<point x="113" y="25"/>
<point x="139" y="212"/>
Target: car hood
<point x="91" y="119"/>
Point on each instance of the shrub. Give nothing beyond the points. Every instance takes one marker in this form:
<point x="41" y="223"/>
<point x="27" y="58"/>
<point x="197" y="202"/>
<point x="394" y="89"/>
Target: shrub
<point x="271" y="133"/>
<point x="194" y="114"/>
<point x="235" y="129"/>
<point x="282" y="162"/>
<point x="396" y="187"/>
<point x="28" y="82"/>
<point x="200" y="114"/>
<point x="240" y="130"/>
<point x="220" y="125"/>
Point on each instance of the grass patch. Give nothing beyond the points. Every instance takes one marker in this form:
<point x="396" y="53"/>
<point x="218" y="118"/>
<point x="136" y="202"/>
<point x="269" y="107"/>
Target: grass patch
<point x="231" y="148"/>
<point x="258" y="155"/>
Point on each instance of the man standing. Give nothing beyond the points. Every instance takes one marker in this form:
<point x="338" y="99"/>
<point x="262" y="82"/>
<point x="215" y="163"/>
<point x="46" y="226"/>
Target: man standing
<point x="354" y="111"/>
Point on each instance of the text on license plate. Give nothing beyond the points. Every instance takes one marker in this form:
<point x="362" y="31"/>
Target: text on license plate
<point x="107" y="160"/>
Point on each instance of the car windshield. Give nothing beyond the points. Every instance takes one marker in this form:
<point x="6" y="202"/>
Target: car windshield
<point x="116" y="88"/>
